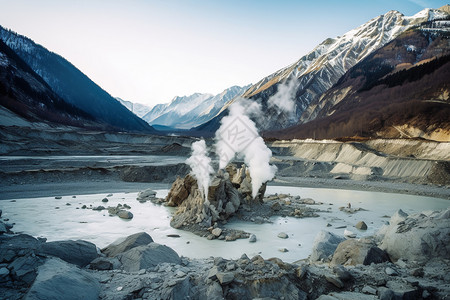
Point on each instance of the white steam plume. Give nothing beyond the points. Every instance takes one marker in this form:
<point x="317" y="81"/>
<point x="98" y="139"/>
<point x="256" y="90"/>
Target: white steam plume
<point x="200" y="164"/>
<point x="238" y="135"/>
<point x="283" y="99"/>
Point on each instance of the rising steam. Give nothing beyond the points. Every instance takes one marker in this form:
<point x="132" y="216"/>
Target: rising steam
<point x="283" y="99"/>
<point x="200" y="164"/>
<point x="238" y="135"/>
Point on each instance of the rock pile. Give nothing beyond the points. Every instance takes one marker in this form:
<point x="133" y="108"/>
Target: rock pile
<point x="137" y="267"/>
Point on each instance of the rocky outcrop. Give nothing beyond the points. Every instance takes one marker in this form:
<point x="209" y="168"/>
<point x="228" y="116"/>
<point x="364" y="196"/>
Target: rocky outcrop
<point x="79" y="253"/>
<point x="228" y="191"/>
<point x="419" y="237"/>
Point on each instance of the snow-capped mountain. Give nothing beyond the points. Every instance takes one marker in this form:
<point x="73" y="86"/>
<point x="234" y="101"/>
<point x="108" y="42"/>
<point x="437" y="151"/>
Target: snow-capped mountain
<point x="401" y="90"/>
<point x="321" y="68"/>
<point x="190" y="111"/>
<point x="72" y="85"/>
<point x="138" y="109"/>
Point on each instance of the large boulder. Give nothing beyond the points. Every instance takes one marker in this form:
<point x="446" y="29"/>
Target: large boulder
<point x="149" y="256"/>
<point x="417" y="237"/>
<point x="355" y="252"/>
<point x="57" y="279"/>
<point x="124" y="244"/>
<point x="324" y="246"/>
<point x="79" y="252"/>
<point x="12" y="246"/>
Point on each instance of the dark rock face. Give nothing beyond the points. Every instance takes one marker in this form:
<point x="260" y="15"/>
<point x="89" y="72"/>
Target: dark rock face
<point x="149" y="256"/>
<point x="57" y="279"/>
<point x="79" y="253"/>
<point x="354" y="252"/>
<point x="127" y="243"/>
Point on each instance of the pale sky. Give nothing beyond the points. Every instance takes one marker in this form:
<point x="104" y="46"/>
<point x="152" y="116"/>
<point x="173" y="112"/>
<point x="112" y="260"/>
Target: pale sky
<point x="149" y="51"/>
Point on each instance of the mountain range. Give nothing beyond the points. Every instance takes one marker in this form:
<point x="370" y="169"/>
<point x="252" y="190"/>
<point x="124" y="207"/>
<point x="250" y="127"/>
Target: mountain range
<point x="191" y="111"/>
<point x="72" y="85"/>
<point x="399" y="91"/>
<point x="387" y="77"/>
<point x="319" y="70"/>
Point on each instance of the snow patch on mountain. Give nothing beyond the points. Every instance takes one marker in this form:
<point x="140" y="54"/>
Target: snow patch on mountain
<point x="190" y="111"/>
<point x="138" y="109"/>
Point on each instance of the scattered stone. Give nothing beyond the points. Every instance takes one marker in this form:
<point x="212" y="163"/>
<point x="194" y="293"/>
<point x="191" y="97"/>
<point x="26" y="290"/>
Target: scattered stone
<point x="124" y="244"/>
<point x="275" y="206"/>
<point x="225" y="277"/>
<point x="252" y="238"/>
<point x="58" y="197"/>
<point x="391" y="272"/>
<point x="146" y="195"/>
<point x="124" y="214"/>
<point x="173" y="235"/>
<point x="283" y="235"/>
<point x="349" y="234"/>
<point x="109" y="195"/>
<point x="105" y="200"/>
<point x="283" y="250"/>
<point x="98" y="208"/>
<point x="216" y="232"/>
<point x="361" y="225"/>
<point x="369" y="290"/>
<point x="84" y="207"/>
<point x="342" y="273"/>
<point x="335" y="281"/>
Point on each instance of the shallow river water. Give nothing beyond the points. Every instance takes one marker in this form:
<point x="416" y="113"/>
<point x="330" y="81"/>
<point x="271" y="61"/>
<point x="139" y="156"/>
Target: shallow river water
<point x="61" y="219"/>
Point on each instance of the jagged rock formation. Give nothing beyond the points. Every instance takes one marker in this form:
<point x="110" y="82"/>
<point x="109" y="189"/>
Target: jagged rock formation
<point x="227" y="191"/>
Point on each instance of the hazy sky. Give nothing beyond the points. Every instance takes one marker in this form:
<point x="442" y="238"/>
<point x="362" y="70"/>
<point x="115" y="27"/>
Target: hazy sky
<point x="149" y="51"/>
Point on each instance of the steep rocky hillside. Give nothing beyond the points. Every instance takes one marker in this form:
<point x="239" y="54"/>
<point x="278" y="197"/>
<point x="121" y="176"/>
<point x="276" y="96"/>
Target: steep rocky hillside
<point x="26" y="97"/>
<point x="401" y="90"/>
<point x="72" y="85"/>
<point x="320" y="69"/>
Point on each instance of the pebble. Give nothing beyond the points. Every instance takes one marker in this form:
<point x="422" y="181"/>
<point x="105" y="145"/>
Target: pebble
<point x="391" y="272"/>
<point x="252" y="238"/>
<point x="369" y="290"/>
<point x="283" y="235"/>
<point x="58" y="197"/>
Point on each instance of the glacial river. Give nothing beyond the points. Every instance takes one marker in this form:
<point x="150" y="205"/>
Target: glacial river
<point x="59" y="219"/>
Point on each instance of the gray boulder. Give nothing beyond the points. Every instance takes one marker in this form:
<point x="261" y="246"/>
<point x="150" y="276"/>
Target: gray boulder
<point x="354" y="252"/>
<point x="148" y="194"/>
<point x="418" y="237"/>
<point x="59" y="280"/>
<point x="124" y="244"/>
<point x="12" y="246"/>
<point x="79" y="252"/>
<point x="149" y="256"/>
<point x="324" y="246"/>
